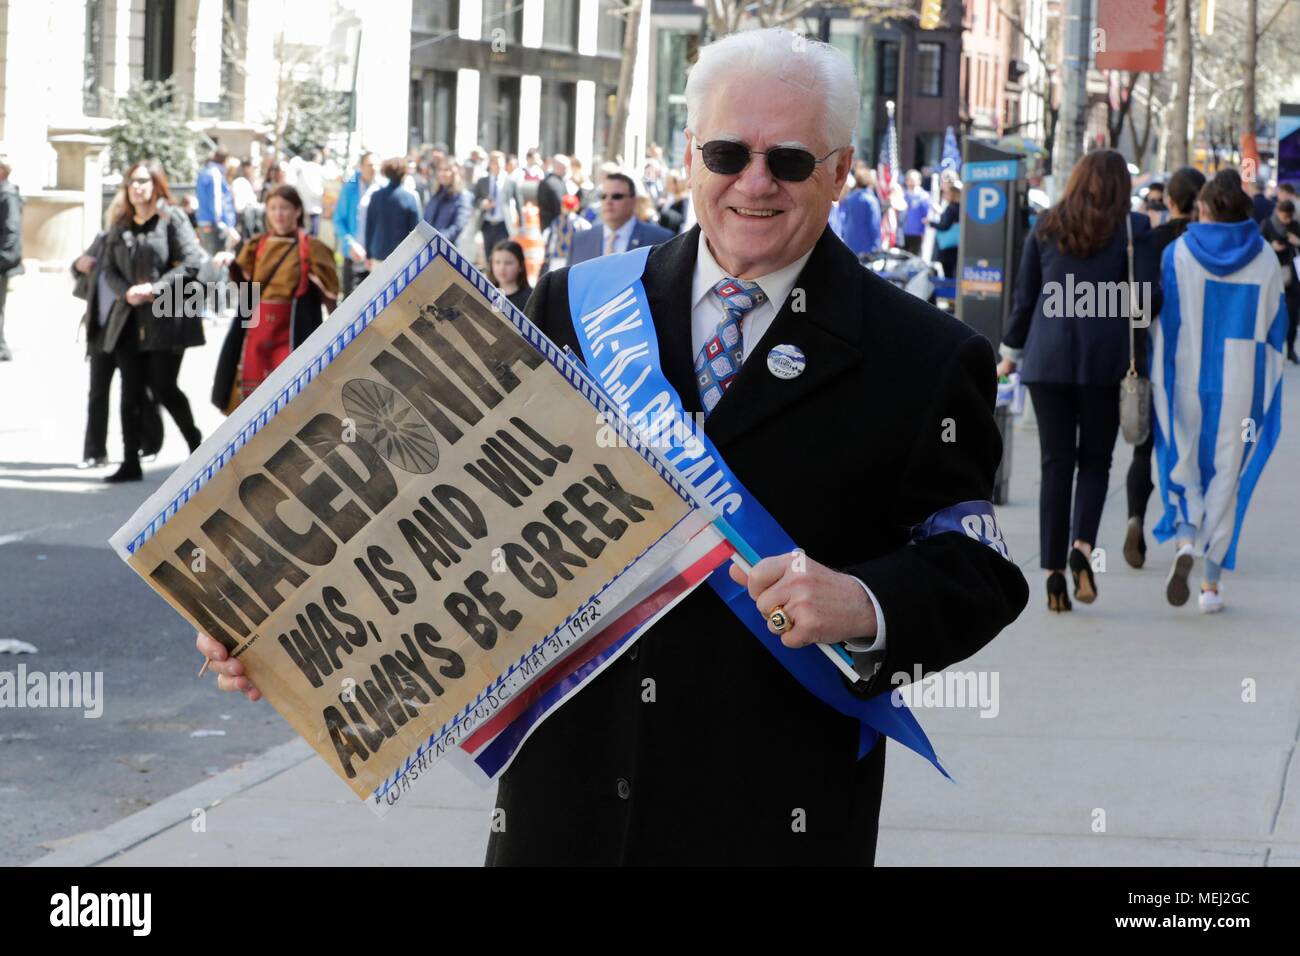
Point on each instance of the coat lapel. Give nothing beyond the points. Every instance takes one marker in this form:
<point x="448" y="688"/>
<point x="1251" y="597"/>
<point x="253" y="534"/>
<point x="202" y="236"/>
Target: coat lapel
<point x="828" y="330"/>
<point x="667" y="282"/>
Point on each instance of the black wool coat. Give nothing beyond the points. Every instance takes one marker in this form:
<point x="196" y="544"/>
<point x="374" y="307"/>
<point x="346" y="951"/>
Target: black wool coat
<point x="167" y="252"/>
<point x="848" y="457"/>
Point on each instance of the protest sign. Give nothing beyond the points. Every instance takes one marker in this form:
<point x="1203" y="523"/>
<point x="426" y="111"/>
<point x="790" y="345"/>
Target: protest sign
<point x="410" y="520"/>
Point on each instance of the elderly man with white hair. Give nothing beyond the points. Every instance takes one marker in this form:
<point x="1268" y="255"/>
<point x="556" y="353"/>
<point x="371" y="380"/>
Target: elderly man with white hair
<point x="844" y="416"/>
<point x="848" y="438"/>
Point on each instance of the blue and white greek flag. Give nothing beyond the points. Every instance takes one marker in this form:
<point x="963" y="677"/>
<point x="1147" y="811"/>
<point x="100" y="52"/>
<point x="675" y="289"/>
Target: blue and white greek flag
<point x="1216" y="374"/>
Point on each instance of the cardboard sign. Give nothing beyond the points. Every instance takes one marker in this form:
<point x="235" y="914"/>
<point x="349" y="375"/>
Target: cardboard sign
<point x="409" y="516"/>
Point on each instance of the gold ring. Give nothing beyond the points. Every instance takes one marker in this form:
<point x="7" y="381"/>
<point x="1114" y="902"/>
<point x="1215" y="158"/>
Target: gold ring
<point x="779" y="620"/>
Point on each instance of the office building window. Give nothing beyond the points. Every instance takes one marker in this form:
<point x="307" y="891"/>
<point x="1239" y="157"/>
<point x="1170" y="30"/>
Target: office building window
<point x="507" y="16"/>
<point x="558" y="106"/>
<point x="229" y="33"/>
<point x="887" y="57"/>
<point x="929" y="69"/>
<point x="606" y="102"/>
<point x="609" y="30"/>
<point x="436" y="16"/>
<point x="433" y="107"/>
<point x="499" y="112"/>
<point x="928" y="151"/>
<point x="159" y="38"/>
<point x="94" y="56"/>
<point x="560" y="24"/>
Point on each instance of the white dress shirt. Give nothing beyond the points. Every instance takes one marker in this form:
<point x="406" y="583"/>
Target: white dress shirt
<point x="622" y="236"/>
<point x="707" y="312"/>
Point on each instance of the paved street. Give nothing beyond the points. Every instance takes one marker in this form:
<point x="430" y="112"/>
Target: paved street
<point x="64" y="591"/>
<point x="1121" y="735"/>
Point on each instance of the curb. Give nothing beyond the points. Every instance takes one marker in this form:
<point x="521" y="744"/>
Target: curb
<point x="98" y="846"/>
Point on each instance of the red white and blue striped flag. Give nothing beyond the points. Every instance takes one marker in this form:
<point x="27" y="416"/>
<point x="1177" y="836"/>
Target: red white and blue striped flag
<point x="887" y="181"/>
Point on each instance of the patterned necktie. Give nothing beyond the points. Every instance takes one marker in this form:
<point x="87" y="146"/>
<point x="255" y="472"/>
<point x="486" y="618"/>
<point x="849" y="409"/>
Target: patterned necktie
<point x="718" y="363"/>
<point x="610" y="236"/>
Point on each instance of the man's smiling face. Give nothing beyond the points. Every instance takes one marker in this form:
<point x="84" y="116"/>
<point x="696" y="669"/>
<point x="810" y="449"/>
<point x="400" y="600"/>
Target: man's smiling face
<point x="755" y="223"/>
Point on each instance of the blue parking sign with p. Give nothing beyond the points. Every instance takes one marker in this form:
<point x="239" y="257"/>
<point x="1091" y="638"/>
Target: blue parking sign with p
<point x="986" y="203"/>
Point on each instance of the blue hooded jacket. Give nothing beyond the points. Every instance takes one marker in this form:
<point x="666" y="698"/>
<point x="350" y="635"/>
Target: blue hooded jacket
<point x="1222" y="247"/>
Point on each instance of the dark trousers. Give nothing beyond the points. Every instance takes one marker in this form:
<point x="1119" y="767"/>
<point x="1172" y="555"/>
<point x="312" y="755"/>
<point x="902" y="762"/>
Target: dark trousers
<point x="4" y="294"/>
<point x="211" y="239"/>
<point x="102" y="367"/>
<point x="1138" y="485"/>
<point x="353" y="275"/>
<point x="156" y="372"/>
<point x="1077" y="425"/>
<point x="913" y="244"/>
<point x="493" y="232"/>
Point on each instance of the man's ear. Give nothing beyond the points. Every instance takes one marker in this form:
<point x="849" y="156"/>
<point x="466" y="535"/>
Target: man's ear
<point x="842" y="167"/>
<point x="688" y="160"/>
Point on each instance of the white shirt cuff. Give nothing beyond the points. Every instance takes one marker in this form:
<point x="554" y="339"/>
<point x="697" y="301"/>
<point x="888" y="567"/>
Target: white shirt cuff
<point x="879" y="644"/>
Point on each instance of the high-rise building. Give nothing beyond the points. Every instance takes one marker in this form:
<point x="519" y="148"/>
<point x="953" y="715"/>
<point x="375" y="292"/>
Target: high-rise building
<point x="515" y="74"/>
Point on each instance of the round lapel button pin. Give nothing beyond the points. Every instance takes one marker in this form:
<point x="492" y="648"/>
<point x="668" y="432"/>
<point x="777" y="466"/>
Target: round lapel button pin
<point x="786" y="361"/>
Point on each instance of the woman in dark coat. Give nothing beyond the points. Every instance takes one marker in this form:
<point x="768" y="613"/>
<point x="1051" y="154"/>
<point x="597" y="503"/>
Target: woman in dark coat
<point x="1069" y="336"/>
<point x="296" y="275"/>
<point x="947" y="228"/>
<point x="151" y="252"/>
<point x="451" y="204"/>
<point x="88" y="274"/>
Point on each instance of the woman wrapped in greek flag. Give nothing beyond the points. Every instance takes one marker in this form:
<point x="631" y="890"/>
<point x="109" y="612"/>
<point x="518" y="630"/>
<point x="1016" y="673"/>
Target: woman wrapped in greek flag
<point x="1216" y="375"/>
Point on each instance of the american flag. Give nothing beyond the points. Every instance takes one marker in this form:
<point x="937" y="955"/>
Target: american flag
<point x="886" y="180"/>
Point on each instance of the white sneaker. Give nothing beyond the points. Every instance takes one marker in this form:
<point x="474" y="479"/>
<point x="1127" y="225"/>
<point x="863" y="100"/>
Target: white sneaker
<point x="1176" y="590"/>
<point x="1211" y="602"/>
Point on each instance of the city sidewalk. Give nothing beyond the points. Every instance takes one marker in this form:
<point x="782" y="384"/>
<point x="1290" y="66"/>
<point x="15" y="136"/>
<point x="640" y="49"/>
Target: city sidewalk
<point x="1121" y="736"/>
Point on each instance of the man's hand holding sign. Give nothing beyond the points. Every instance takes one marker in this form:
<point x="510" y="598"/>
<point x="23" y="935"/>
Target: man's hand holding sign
<point x="822" y="606"/>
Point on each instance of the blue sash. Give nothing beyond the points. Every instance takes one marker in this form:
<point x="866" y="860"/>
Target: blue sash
<point x="611" y="317"/>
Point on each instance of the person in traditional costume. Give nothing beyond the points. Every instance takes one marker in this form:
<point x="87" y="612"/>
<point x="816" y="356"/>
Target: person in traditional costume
<point x="1216" y="361"/>
<point x="296" y="277"/>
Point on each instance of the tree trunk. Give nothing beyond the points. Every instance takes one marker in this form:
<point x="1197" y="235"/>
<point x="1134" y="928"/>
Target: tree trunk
<point x="618" y="128"/>
<point x="1249" y="148"/>
<point x="1140" y="143"/>
<point x="1177" y="132"/>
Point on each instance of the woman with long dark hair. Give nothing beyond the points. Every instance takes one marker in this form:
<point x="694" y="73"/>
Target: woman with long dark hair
<point x="1069" y="336"/>
<point x="506" y="271"/>
<point x="151" y="246"/>
<point x="296" y="277"/>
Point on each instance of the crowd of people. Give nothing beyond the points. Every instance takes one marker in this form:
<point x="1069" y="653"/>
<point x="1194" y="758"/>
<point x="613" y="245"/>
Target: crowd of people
<point x="265" y="223"/>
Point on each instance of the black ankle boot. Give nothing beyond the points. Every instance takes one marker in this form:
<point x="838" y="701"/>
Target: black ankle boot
<point x="130" y="471"/>
<point x="193" y="438"/>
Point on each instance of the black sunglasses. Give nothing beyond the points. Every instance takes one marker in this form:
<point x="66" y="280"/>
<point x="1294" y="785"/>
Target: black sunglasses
<point x="788" y="163"/>
<point x="615" y="196"/>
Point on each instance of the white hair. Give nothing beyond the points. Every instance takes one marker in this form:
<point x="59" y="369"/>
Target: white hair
<point x="817" y="68"/>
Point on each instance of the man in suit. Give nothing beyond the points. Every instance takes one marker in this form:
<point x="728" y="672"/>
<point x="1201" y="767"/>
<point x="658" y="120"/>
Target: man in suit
<point x="620" y="229"/>
<point x="552" y="190"/>
<point x="495" y="197"/>
<point x="849" y="456"/>
<point x="697" y="745"/>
